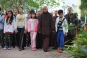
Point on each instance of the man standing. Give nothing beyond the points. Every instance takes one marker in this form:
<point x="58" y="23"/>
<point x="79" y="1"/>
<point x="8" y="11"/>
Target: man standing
<point x="53" y="35"/>
<point x="72" y="20"/>
<point x="21" y="27"/>
<point x="45" y="22"/>
<point x="39" y="36"/>
<point x="1" y="28"/>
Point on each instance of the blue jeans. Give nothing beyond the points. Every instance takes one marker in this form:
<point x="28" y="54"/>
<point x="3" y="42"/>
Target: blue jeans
<point x="60" y="39"/>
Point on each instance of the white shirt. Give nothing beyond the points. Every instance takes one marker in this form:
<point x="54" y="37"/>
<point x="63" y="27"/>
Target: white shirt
<point x="32" y="24"/>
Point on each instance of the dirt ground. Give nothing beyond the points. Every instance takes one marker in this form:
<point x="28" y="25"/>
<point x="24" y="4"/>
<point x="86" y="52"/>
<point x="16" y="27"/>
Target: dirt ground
<point x="27" y="53"/>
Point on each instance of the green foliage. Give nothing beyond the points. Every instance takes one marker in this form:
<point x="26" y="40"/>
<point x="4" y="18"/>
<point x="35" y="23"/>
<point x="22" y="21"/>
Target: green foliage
<point x="83" y="7"/>
<point x="79" y="48"/>
<point x="16" y="3"/>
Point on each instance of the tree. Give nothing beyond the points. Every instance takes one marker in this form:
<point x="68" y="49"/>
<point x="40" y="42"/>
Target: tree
<point x="83" y="7"/>
<point x="52" y="3"/>
<point x="14" y="4"/>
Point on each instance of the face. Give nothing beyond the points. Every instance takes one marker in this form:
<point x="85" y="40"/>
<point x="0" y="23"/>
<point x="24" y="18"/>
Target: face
<point x="9" y="14"/>
<point x="20" y="10"/>
<point x="45" y="9"/>
<point x="15" y="13"/>
<point x="39" y="12"/>
<point x="61" y="15"/>
<point x="29" y="15"/>
<point x="69" y="10"/>
<point x="33" y="15"/>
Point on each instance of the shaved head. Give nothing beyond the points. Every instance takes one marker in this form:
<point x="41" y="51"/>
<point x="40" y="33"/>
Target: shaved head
<point x="45" y="9"/>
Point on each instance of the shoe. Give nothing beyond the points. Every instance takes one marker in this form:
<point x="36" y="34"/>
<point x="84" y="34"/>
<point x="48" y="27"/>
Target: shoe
<point x="23" y="48"/>
<point x="54" y="48"/>
<point x="45" y="50"/>
<point x="5" y="47"/>
<point x="33" y="49"/>
<point x="9" y="48"/>
<point x="59" y="50"/>
<point x="20" y="49"/>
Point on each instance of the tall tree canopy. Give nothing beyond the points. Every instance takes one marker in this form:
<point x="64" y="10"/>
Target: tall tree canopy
<point x="14" y="4"/>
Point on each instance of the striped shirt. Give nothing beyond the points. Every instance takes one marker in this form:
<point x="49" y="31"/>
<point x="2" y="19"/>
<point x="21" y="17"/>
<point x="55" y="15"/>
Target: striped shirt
<point x="59" y="23"/>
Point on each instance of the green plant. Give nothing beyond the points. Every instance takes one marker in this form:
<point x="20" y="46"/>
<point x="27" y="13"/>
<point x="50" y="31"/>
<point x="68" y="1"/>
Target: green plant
<point x="79" y="47"/>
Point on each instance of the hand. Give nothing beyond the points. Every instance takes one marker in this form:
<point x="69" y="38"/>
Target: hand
<point x="25" y="32"/>
<point x="39" y="32"/>
<point x="16" y="31"/>
<point x="53" y="31"/>
<point x="65" y="34"/>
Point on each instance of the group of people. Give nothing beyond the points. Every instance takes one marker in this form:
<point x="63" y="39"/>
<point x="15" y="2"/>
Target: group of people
<point x="39" y="30"/>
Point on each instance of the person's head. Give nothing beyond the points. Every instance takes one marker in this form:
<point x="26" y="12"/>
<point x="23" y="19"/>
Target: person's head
<point x="16" y="12"/>
<point x="0" y="8"/>
<point x="56" y="12"/>
<point x="70" y="10"/>
<point x="45" y="9"/>
<point x="20" y="10"/>
<point x="29" y="14"/>
<point x="60" y="12"/>
<point x="33" y="15"/>
<point x="39" y="12"/>
<point x="10" y="15"/>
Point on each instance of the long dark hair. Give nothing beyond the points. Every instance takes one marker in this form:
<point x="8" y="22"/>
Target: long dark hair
<point x="11" y="18"/>
<point x="35" y="15"/>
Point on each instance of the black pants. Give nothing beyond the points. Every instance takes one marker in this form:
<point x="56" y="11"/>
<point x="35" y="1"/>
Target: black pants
<point x="8" y="39"/>
<point x="24" y="40"/>
<point x="14" y="40"/>
<point x="20" y="37"/>
<point x="2" y="38"/>
<point x="28" y="39"/>
<point x="17" y="39"/>
<point x="39" y="41"/>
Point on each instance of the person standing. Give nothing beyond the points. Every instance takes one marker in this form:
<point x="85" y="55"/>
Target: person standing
<point x="32" y="28"/>
<point x="15" y="40"/>
<point x="53" y="35"/>
<point x="61" y="27"/>
<point x="9" y="28"/>
<point x="21" y="28"/>
<point x="15" y="13"/>
<point x="45" y="27"/>
<point x="1" y="29"/>
<point x="39" y="36"/>
<point x="72" y="20"/>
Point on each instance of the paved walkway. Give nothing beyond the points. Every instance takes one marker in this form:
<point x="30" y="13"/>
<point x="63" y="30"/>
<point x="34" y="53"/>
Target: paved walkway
<point x="27" y="53"/>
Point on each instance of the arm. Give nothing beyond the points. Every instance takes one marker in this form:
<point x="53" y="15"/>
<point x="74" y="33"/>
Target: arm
<point x="51" y="19"/>
<point x="40" y="24"/>
<point x="25" y="22"/>
<point x="2" y="20"/>
<point x="56" y="24"/>
<point x="16" y="24"/>
<point x="66" y="26"/>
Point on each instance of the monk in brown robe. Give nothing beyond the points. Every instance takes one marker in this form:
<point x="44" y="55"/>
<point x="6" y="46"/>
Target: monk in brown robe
<point x="45" y="27"/>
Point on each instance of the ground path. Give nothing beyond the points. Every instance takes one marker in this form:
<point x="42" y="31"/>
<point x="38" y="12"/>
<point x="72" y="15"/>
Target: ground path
<point x="27" y="53"/>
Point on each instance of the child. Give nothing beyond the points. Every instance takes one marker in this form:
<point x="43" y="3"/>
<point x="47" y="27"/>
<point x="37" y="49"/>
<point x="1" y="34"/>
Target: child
<point x="61" y="26"/>
<point x="32" y="27"/>
<point x="21" y="28"/>
<point x="9" y="28"/>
